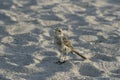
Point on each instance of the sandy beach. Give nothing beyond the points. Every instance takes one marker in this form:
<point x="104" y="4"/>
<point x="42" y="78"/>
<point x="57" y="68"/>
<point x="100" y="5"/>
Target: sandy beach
<point x="27" y="51"/>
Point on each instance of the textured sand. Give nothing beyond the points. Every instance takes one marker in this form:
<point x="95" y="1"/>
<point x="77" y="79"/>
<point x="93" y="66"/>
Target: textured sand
<point x="27" y="51"/>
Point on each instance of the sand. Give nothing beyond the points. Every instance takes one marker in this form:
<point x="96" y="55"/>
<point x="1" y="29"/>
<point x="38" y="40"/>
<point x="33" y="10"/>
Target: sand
<point x="27" y="51"/>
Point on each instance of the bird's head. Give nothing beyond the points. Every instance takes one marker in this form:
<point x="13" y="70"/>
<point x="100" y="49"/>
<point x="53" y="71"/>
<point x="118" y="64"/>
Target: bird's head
<point x="59" y="32"/>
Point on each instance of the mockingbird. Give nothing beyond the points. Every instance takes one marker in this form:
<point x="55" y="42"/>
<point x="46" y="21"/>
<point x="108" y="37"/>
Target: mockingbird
<point x="64" y="46"/>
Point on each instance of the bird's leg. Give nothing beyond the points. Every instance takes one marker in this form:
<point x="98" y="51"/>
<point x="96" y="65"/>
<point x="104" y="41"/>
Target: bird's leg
<point x="62" y="59"/>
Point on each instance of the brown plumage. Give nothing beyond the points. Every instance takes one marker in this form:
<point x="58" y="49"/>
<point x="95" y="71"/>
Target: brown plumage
<point x="69" y="45"/>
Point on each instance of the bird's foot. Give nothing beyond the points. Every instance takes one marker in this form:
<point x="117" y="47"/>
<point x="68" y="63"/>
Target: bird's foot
<point x="60" y="62"/>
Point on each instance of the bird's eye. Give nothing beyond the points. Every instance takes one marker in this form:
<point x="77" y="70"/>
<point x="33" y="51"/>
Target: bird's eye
<point x="59" y="30"/>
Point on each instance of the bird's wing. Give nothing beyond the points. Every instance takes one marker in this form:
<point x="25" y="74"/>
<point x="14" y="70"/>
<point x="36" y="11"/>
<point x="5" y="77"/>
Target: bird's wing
<point x="67" y="43"/>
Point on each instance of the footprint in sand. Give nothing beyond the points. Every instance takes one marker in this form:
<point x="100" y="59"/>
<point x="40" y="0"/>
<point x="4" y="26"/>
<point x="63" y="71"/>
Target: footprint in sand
<point x="21" y="59"/>
<point x="52" y="17"/>
<point x="3" y="78"/>
<point x="117" y="2"/>
<point x="6" y="19"/>
<point x="3" y="32"/>
<point x="15" y="63"/>
<point x="116" y="73"/>
<point x="90" y="70"/>
<point x="103" y="58"/>
<point x="6" y="4"/>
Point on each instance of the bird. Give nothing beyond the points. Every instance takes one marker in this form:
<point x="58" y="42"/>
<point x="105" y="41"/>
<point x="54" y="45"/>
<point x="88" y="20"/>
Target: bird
<point x="64" y="46"/>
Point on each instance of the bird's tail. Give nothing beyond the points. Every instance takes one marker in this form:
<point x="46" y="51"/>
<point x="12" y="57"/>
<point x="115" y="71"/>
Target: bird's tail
<point x="76" y="52"/>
